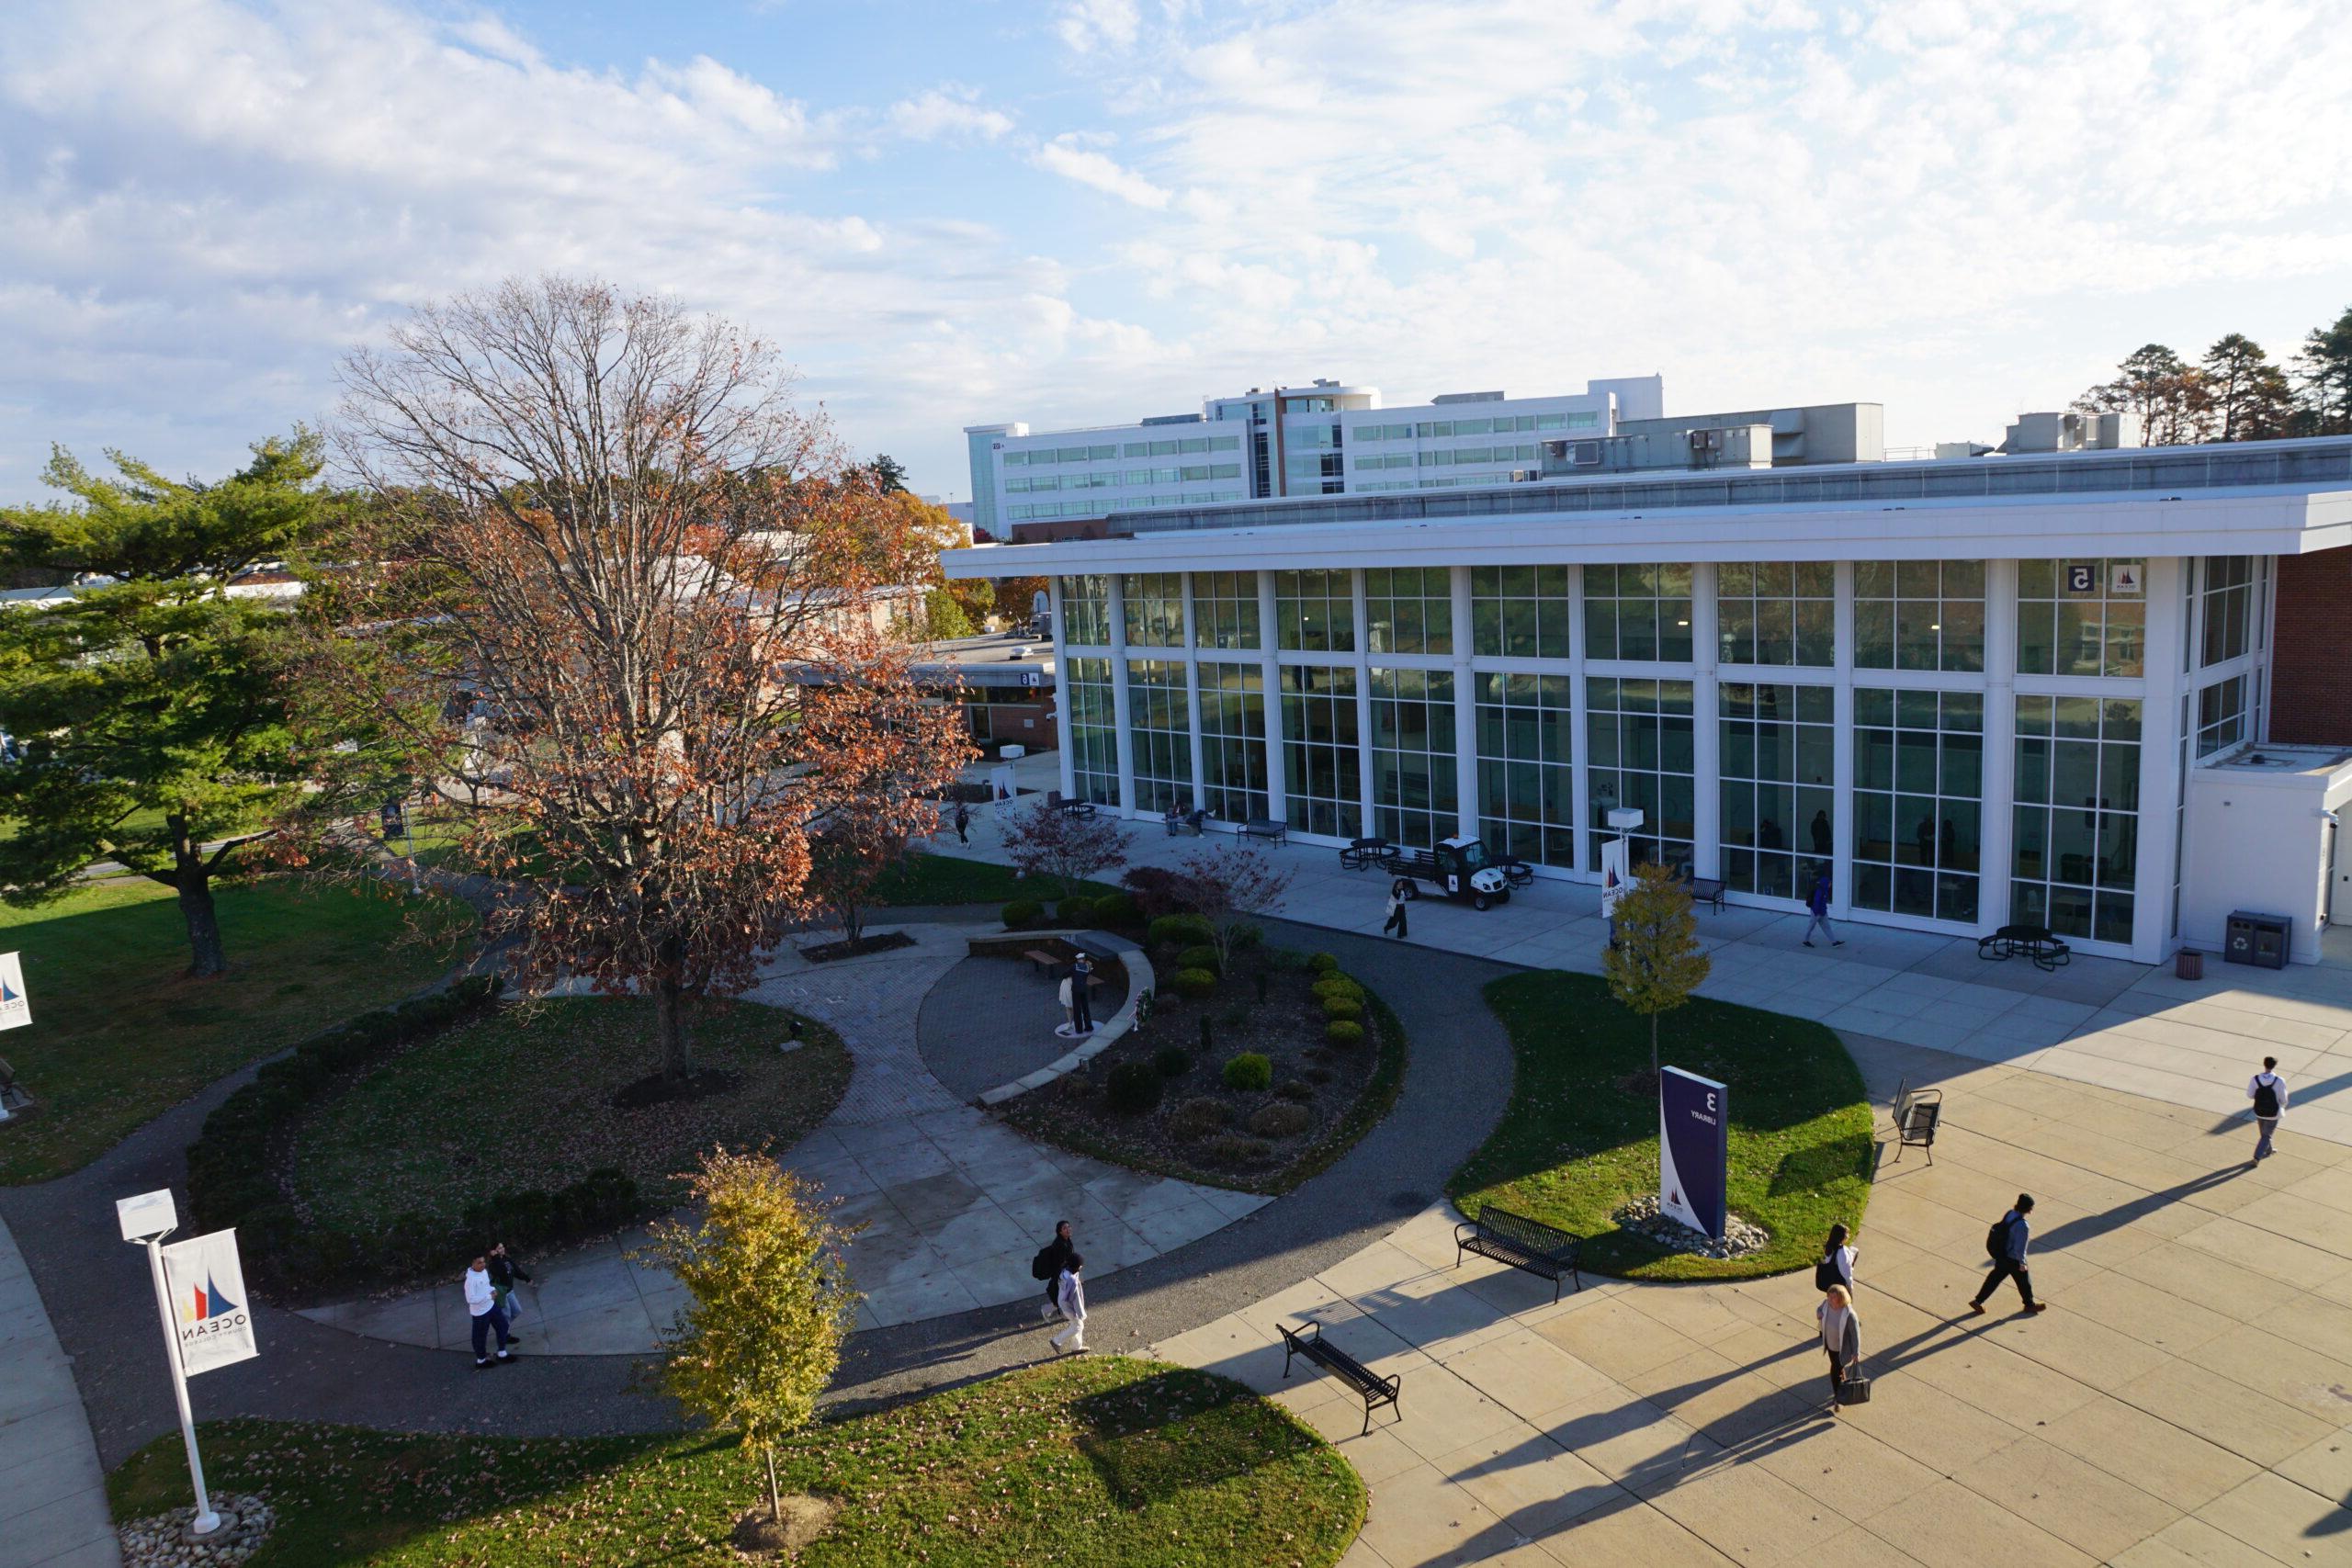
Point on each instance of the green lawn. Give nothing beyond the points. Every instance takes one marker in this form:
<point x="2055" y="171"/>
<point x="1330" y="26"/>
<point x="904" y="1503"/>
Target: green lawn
<point x="119" y="1035"/>
<point x="522" y="1099"/>
<point x="924" y="878"/>
<point x="1574" y="1146"/>
<point x="1097" y="1462"/>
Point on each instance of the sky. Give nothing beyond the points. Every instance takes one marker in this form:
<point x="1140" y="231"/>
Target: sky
<point x="1085" y="211"/>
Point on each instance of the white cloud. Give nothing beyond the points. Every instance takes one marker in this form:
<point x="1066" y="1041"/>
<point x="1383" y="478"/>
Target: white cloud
<point x="1088" y="25"/>
<point x="1063" y="156"/>
<point x="941" y="113"/>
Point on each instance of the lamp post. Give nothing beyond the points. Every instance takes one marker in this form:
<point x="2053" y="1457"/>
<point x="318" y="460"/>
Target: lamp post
<point x="1617" y="863"/>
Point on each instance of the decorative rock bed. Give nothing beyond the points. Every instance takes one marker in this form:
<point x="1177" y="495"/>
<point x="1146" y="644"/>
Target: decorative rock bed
<point x="1644" y="1218"/>
<point x="162" y="1540"/>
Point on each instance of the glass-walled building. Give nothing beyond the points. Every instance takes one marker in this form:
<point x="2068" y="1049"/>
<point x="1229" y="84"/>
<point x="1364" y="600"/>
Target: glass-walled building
<point x="1786" y="692"/>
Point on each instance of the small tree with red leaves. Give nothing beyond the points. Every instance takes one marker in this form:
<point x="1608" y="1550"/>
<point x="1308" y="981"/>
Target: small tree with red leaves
<point x="1063" y="847"/>
<point x="1226" y="886"/>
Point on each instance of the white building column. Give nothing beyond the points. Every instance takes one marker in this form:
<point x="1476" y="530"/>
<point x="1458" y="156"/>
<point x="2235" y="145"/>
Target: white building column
<point x="1580" y="737"/>
<point x="1193" y="693"/>
<point x="1841" y="876"/>
<point x="1706" y="729"/>
<point x="1068" y="763"/>
<point x="1120" y="731"/>
<point x="1996" y="837"/>
<point x="1356" y="607"/>
<point x="1270" y="677"/>
<point x="1465" y="710"/>
<point x="2157" y="866"/>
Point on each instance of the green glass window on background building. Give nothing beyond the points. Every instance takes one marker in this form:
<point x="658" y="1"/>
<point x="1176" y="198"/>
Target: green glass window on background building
<point x="2082" y="617"/>
<point x="1638" y="613"/>
<point x="1778" y="787"/>
<point x="1919" y="802"/>
<point x="1919" y="614"/>
<point x="1639" y="752"/>
<point x="1086" y="611"/>
<point x="2077" y="848"/>
<point x="1233" y="741"/>
<point x="1526" y="767"/>
<point x="1415" y="796"/>
<point x="1152" y="604"/>
<point x="1408" y="609"/>
<point x="1520" y="612"/>
<point x="1225" y="610"/>
<point x="1315" y="612"/>
<point x="1160" y="734"/>
<point x="1093" y="730"/>
<point x="1322" y="765"/>
<point x="1777" y="613"/>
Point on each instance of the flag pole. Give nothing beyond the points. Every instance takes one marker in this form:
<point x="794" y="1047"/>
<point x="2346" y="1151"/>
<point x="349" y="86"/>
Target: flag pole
<point x="206" y="1521"/>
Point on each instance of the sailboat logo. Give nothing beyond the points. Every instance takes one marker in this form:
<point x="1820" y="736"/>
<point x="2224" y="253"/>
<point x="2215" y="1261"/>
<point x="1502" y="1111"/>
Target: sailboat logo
<point x="7" y="993"/>
<point x="204" y="1302"/>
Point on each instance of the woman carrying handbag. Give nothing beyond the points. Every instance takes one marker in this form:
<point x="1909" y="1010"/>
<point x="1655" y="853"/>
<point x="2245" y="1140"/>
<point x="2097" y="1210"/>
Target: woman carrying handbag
<point x="1841" y="1336"/>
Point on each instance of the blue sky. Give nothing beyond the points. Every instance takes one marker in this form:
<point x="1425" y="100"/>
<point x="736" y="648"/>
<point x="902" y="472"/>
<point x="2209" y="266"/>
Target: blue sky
<point x="1077" y="210"/>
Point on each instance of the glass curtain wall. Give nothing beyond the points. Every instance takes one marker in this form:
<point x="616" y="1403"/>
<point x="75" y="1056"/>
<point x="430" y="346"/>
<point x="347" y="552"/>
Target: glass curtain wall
<point x="1919" y="614"/>
<point x="1408" y="610"/>
<point x="2227" y="586"/>
<point x="2077" y="816"/>
<point x="1526" y="776"/>
<point x="1639" y="751"/>
<point x="1777" y="613"/>
<point x="1225" y="610"/>
<point x="1086" y="611"/>
<point x="1159" y="716"/>
<point x="1638" y="613"/>
<point x="1153" y="603"/>
<point x="2082" y="617"/>
<point x="1322" y="762"/>
<point x="1416" y="798"/>
<point x="1233" y="741"/>
<point x="1520" y="612"/>
<point x="1093" y="730"/>
<point x="1919" y="802"/>
<point x="1315" y="611"/>
<point x="1778" y="788"/>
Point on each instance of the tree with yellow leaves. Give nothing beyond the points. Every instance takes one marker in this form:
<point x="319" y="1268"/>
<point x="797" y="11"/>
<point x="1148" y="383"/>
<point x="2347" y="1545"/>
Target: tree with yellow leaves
<point x="1656" y="962"/>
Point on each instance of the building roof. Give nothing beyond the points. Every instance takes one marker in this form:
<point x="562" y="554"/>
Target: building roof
<point x="997" y="660"/>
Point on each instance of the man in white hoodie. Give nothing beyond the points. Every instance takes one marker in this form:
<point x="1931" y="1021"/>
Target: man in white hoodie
<point x="2269" y="1092"/>
<point x="1071" y="1299"/>
<point x="482" y="1301"/>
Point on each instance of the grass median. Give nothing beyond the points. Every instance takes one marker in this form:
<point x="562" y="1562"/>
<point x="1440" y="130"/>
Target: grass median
<point x="1577" y="1142"/>
<point x="1101" y="1461"/>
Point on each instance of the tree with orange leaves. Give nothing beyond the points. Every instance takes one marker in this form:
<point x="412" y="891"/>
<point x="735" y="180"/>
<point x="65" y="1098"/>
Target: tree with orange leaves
<point x="614" y="602"/>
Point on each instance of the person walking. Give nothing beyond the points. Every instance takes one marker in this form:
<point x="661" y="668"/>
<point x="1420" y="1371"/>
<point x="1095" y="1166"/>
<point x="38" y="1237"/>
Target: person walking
<point x="1051" y="1259"/>
<point x="1071" y="1299"/>
<point x="1396" y="902"/>
<point x="963" y="823"/>
<point x="1082" y="1006"/>
<point x="482" y="1303"/>
<point x="1842" y="1335"/>
<point x="503" y="1273"/>
<point x="2006" y="1244"/>
<point x="1835" y="1267"/>
<point x="1817" y="902"/>
<point x="2269" y="1092"/>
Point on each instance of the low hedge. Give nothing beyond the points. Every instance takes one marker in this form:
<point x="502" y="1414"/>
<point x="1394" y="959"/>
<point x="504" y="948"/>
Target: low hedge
<point x="1201" y="958"/>
<point x="229" y="1181"/>
<point x="1341" y="1006"/>
<point x="1248" y="1071"/>
<point x="1194" y="983"/>
<point x="1343" y="1032"/>
<point x="1180" y="930"/>
<point x="1117" y="910"/>
<point x="1023" y="912"/>
<point x="1076" y="911"/>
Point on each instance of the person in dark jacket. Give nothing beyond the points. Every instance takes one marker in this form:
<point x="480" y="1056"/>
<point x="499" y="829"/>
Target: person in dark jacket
<point x="1817" y="905"/>
<point x="1397" y="899"/>
<point x="963" y="822"/>
<point x="503" y="1273"/>
<point x="1842" y="1335"/>
<point x="1061" y="1250"/>
<point x="2269" y="1092"/>
<point x="2010" y="1263"/>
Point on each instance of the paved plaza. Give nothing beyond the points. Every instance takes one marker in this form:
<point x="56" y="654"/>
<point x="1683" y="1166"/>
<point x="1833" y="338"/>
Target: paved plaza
<point x="2186" y="1401"/>
<point x="953" y="1205"/>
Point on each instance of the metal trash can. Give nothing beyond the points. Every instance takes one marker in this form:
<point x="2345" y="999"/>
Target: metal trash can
<point x="2259" y="940"/>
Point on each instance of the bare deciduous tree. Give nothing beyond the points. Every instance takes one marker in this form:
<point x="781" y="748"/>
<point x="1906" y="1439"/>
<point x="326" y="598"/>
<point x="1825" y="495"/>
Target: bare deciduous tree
<point x="619" y="603"/>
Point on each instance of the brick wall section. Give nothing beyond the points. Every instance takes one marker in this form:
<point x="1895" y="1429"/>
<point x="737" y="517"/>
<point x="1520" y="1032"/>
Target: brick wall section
<point x="2310" y="679"/>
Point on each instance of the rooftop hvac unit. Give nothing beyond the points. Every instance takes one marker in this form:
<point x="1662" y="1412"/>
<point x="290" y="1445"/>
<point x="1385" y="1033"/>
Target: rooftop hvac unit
<point x="1706" y="440"/>
<point x="1584" y="454"/>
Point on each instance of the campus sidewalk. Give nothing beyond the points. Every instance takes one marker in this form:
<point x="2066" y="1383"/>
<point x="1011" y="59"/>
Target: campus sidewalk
<point x="53" y="1493"/>
<point x="2100" y="1020"/>
<point x="2185" y="1401"/>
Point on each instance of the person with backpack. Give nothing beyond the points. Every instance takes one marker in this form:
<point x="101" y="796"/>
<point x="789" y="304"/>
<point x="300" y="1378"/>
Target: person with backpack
<point x="1047" y="1266"/>
<point x="1835" y="1267"/>
<point x="2005" y="1244"/>
<point x="2269" y="1092"/>
<point x="1072" y="1301"/>
<point x="1842" y="1335"/>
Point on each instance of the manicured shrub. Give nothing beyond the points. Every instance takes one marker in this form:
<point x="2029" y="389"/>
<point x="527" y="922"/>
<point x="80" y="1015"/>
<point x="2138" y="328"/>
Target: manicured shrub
<point x="1341" y="1006"/>
<point x="1193" y="983"/>
<point x="1196" y="1119"/>
<point x="1250" y="1072"/>
<point x="1343" y="1032"/>
<point x="1173" y="1061"/>
<point x="1179" y="930"/>
<point x="1134" y="1087"/>
<point x="1324" y="963"/>
<point x="1201" y="958"/>
<point x="1233" y="1151"/>
<point x="1338" y="986"/>
<point x="1023" y="912"/>
<point x="1291" y="1088"/>
<point x="1074" y="911"/>
<point x="1118" y="911"/>
<point x="1280" y="1120"/>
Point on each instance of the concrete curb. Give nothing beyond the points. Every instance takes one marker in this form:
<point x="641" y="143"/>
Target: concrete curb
<point x="1140" y="985"/>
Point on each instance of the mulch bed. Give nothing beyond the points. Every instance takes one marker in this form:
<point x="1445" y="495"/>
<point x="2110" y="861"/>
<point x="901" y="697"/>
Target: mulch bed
<point x="1203" y="1130"/>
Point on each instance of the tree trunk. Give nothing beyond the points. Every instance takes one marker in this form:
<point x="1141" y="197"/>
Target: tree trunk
<point x="1656" y="1072"/>
<point x="207" y="958"/>
<point x="669" y="1016"/>
<point x="776" y="1500"/>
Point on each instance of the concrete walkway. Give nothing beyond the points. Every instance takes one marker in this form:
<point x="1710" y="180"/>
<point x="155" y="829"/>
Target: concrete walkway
<point x="2098" y="1020"/>
<point x="2186" y="1401"/>
<point x="53" y="1494"/>
<point x="953" y="1203"/>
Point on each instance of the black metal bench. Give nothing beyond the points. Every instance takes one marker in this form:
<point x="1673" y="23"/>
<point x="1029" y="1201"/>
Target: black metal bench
<point x="1522" y="1243"/>
<point x="2036" y="942"/>
<point x="1362" y="854"/>
<point x="1374" y="1388"/>
<point x="1273" y="828"/>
